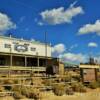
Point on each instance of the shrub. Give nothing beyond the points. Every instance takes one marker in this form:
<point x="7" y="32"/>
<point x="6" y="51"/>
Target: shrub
<point x="8" y="87"/>
<point x="16" y="81"/>
<point x="32" y="74"/>
<point x="78" y="87"/>
<point x="29" y="92"/>
<point x="77" y="78"/>
<point x="59" y="89"/>
<point x="21" y="89"/>
<point x="17" y="95"/>
<point x="98" y="81"/>
<point x="94" y="85"/>
<point x="48" y="82"/>
<point x="37" y="94"/>
<point x="8" y="83"/>
<point x="1" y="89"/>
<point x="69" y="90"/>
<point x="1" y="82"/>
<point x="4" y="76"/>
<point x="67" y="77"/>
<point x="24" y="91"/>
<point x="16" y="88"/>
<point x="34" y="93"/>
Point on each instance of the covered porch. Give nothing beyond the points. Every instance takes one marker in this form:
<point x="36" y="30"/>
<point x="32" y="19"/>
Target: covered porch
<point x="21" y="60"/>
<point x="15" y="62"/>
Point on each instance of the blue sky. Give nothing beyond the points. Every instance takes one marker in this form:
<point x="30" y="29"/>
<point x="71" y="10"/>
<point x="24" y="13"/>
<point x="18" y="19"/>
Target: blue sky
<point x="72" y="26"/>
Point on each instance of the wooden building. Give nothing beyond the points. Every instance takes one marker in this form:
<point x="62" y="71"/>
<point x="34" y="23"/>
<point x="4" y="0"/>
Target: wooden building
<point x="19" y="55"/>
<point x="88" y="72"/>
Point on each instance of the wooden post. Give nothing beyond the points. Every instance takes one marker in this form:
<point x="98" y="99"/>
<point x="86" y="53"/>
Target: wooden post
<point x="25" y="61"/>
<point x="10" y="61"/>
<point x="38" y="62"/>
<point x="45" y="49"/>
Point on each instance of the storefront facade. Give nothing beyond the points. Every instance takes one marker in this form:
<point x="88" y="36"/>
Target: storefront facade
<point x="21" y="54"/>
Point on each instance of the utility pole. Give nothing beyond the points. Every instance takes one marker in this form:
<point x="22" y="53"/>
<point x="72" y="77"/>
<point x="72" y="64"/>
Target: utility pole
<point x="45" y="49"/>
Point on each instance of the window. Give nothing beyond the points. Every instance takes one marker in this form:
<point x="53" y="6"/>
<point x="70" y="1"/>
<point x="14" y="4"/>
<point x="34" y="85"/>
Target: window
<point x="2" y="61"/>
<point x="33" y="49"/>
<point x="7" y="45"/>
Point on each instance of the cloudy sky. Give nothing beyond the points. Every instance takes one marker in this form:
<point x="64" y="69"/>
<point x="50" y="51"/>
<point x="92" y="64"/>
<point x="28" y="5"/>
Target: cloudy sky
<point x="72" y="26"/>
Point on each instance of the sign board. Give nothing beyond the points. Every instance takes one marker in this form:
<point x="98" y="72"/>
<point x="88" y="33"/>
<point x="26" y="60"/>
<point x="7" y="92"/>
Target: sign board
<point x="21" y="48"/>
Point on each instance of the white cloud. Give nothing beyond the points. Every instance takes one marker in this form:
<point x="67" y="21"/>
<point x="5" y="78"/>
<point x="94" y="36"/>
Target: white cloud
<point x="5" y="23"/>
<point x="72" y="57"/>
<point x="74" y="3"/>
<point x="73" y="46"/>
<point x="97" y="59"/>
<point x="61" y="15"/>
<point x="90" y="28"/>
<point x="92" y="44"/>
<point x="58" y="49"/>
<point x="32" y="40"/>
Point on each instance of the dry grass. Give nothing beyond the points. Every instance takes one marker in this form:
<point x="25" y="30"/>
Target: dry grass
<point x="90" y="95"/>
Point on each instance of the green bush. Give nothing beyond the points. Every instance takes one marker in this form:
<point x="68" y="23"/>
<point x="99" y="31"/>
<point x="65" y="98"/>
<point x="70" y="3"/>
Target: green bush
<point x="59" y="89"/>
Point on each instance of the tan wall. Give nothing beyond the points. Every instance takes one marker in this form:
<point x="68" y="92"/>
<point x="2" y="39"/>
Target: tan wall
<point x="89" y="66"/>
<point x="40" y="47"/>
<point x="61" y="69"/>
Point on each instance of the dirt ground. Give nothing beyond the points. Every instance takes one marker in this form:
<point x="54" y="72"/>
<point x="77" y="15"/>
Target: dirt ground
<point x="90" y="95"/>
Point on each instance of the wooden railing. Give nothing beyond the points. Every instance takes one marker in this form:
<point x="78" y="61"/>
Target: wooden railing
<point x="33" y="68"/>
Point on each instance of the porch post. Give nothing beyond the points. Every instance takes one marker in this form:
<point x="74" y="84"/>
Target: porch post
<point x="37" y="59"/>
<point x="38" y="62"/>
<point x="25" y="61"/>
<point x="10" y="61"/>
